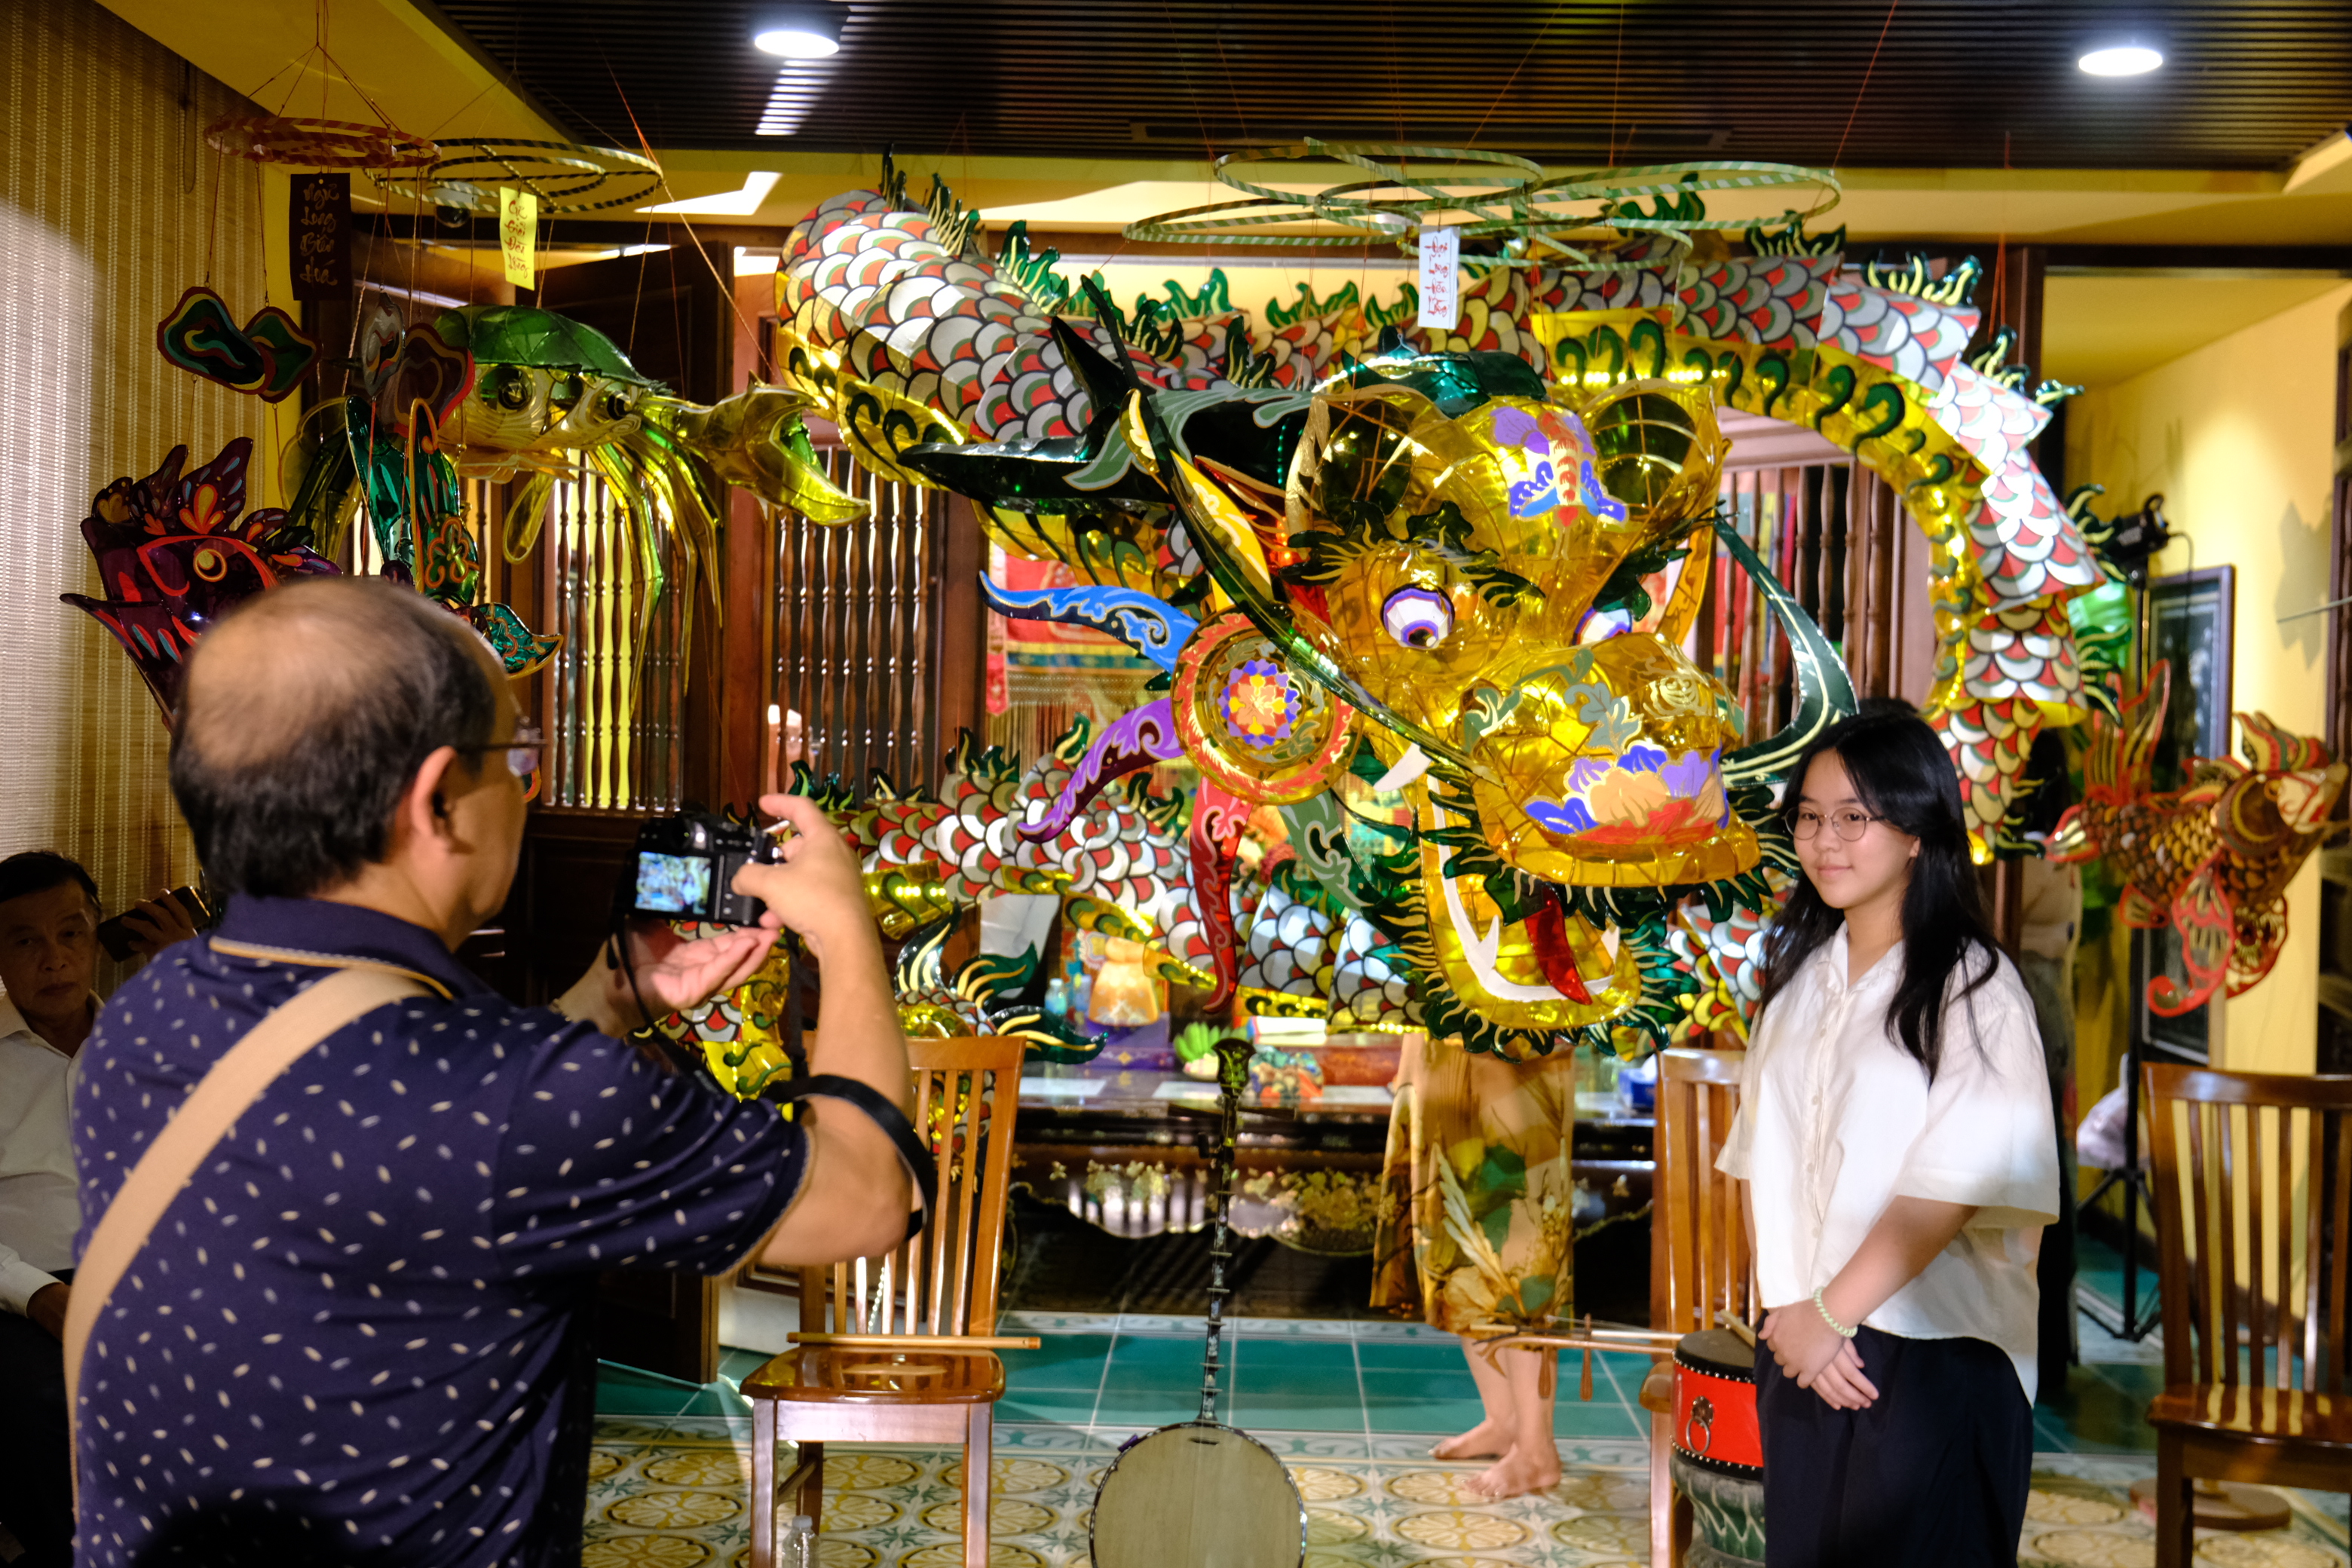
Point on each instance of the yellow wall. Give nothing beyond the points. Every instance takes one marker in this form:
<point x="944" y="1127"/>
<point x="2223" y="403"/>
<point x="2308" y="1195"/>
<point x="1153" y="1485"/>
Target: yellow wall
<point x="110" y="205"/>
<point x="2236" y="435"/>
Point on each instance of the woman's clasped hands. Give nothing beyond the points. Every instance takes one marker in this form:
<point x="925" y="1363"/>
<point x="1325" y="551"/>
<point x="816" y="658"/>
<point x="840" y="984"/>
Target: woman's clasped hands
<point x="1816" y="1356"/>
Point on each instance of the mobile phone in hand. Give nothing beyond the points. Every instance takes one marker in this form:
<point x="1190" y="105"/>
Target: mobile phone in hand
<point x="121" y="938"/>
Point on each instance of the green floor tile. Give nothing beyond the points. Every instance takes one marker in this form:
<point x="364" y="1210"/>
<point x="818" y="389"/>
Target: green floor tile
<point x="2098" y="1416"/>
<point x="1146" y="1409"/>
<point x="719" y="1401"/>
<point x="1410" y="1355"/>
<point x="1319" y="1355"/>
<point x="2140" y="1383"/>
<point x="739" y="1364"/>
<point x="1164" y="1381"/>
<point x="1059" y="1407"/>
<point x="1328" y="1382"/>
<point x="1434" y="1418"/>
<point x="1630" y="1370"/>
<point x="1064" y="1360"/>
<point x="1142" y="1350"/>
<point x="1572" y="1418"/>
<point x="632" y="1391"/>
<point x="635" y="1399"/>
<point x="1297" y="1413"/>
<point x="2050" y="1436"/>
<point x="1391" y="1385"/>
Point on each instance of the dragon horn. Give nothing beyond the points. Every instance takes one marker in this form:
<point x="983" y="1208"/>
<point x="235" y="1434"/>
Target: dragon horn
<point x="1824" y="689"/>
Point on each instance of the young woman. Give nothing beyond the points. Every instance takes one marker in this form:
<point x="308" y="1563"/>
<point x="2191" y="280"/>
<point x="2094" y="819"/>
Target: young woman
<point x="1896" y="1140"/>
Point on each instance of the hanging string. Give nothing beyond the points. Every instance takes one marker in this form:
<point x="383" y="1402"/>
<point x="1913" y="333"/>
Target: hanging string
<point x="1240" y="118"/>
<point x="1839" y="157"/>
<point x="1509" y="81"/>
<point x="2001" y="248"/>
<point x="726" y="286"/>
<point x="212" y="229"/>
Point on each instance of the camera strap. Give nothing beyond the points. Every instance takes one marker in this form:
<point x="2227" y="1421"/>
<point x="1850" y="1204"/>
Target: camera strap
<point x="893" y="1122"/>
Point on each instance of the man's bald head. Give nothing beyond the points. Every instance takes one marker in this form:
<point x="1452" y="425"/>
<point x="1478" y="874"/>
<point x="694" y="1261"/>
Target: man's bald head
<point x="304" y="716"/>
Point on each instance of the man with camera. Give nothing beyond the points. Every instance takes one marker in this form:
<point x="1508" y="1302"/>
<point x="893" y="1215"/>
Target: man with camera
<point x="360" y="1333"/>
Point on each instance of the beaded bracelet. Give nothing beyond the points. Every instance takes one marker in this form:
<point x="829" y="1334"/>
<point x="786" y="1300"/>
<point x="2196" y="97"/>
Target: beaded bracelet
<point x="1823" y="1309"/>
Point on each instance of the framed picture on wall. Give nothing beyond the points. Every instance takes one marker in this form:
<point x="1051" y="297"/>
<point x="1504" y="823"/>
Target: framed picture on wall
<point x="2190" y="618"/>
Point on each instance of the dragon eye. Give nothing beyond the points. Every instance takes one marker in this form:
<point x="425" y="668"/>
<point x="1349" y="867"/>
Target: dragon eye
<point x="616" y="406"/>
<point x="1418" y="618"/>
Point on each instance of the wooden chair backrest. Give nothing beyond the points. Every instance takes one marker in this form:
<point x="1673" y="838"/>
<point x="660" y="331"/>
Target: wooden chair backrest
<point x="945" y="1280"/>
<point x="2253" y="1223"/>
<point x="1699" y="1260"/>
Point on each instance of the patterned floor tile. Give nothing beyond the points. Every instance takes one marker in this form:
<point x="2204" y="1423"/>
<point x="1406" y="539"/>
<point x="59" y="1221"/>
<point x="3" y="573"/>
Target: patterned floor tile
<point x="678" y="1500"/>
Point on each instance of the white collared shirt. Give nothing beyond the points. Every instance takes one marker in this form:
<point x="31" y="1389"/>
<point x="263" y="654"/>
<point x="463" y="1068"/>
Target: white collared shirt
<point x="1836" y="1119"/>
<point x="41" y="1206"/>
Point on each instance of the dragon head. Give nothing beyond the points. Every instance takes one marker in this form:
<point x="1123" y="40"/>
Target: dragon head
<point x="1496" y="573"/>
<point x="1442" y="561"/>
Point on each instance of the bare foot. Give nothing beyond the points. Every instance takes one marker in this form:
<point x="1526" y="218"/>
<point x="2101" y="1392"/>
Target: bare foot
<point x="1521" y="1471"/>
<point x="1486" y="1440"/>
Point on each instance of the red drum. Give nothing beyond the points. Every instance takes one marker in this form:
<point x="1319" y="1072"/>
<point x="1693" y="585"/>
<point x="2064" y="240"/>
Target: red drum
<point x="1715" y="1404"/>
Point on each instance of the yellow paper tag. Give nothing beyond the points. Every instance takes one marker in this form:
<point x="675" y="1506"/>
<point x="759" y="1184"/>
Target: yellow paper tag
<point x="519" y="236"/>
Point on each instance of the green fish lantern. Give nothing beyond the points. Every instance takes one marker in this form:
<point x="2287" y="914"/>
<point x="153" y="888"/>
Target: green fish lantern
<point x="515" y="393"/>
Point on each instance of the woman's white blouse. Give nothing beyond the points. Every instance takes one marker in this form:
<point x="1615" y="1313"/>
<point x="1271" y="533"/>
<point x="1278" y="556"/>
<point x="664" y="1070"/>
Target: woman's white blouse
<point x="1836" y="1119"/>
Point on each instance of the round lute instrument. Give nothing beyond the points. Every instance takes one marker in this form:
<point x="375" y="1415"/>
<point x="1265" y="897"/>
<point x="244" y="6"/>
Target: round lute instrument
<point x="1201" y="1494"/>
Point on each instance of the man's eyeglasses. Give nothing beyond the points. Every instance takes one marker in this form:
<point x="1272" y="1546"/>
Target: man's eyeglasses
<point x="522" y="750"/>
<point x="1850" y="823"/>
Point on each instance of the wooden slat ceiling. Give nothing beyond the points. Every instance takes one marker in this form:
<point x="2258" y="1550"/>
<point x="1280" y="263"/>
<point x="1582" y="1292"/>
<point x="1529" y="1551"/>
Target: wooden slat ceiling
<point x="1958" y="83"/>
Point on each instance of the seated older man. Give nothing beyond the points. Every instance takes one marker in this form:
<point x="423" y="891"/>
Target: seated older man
<point x="49" y="963"/>
<point x="361" y="1334"/>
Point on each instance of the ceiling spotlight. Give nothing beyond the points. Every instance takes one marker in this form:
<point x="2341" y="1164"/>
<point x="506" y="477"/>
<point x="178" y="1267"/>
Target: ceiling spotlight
<point x="2123" y="59"/>
<point x="799" y="36"/>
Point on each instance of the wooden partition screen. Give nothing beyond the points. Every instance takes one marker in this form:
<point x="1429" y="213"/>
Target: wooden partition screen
<point x="615" y="695"/>
<point x="860" y="649"/>
<point x="1837" y="537"/>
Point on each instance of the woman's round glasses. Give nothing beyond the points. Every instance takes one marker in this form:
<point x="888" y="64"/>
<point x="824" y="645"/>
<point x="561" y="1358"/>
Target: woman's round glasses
<point x="1850" y="823"/>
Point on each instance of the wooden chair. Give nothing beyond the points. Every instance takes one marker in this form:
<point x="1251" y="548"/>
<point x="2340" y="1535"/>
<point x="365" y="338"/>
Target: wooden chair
<point x="905" y="1352"/>
<point x="1699" y="1260"/>
<point x="2257" y="1385"/>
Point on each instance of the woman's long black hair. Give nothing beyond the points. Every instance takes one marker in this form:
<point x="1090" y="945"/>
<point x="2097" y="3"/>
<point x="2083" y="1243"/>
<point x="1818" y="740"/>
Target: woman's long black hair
<point x="1903" y="775"/>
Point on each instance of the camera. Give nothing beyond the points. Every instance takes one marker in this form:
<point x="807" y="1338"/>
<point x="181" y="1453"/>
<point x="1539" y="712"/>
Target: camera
<point x="684" y="864"/>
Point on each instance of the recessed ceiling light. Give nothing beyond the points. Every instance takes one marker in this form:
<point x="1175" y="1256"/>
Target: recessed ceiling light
<point x="802" y="35"/>
<point x="2123" y="59"/>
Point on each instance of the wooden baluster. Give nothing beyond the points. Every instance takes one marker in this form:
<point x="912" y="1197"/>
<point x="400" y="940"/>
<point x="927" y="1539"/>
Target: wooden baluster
<point x="2284" y="1313"/>
<point x="2197" y="1238"/>
<point x="1715" y="1285"/>
<point x="2340" y="1266"/>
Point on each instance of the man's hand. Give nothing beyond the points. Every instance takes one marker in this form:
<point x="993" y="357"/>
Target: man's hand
<point x="48" y="1308"/>
<point x="818" y="889"/>
<point x="157" y="925"/>
<point x="672" y="974"/>
<point x="1817" y="1356"/>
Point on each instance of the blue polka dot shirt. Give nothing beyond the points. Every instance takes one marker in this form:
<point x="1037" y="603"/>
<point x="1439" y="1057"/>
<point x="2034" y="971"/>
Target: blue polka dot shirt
<point x="360" y="1334"/>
